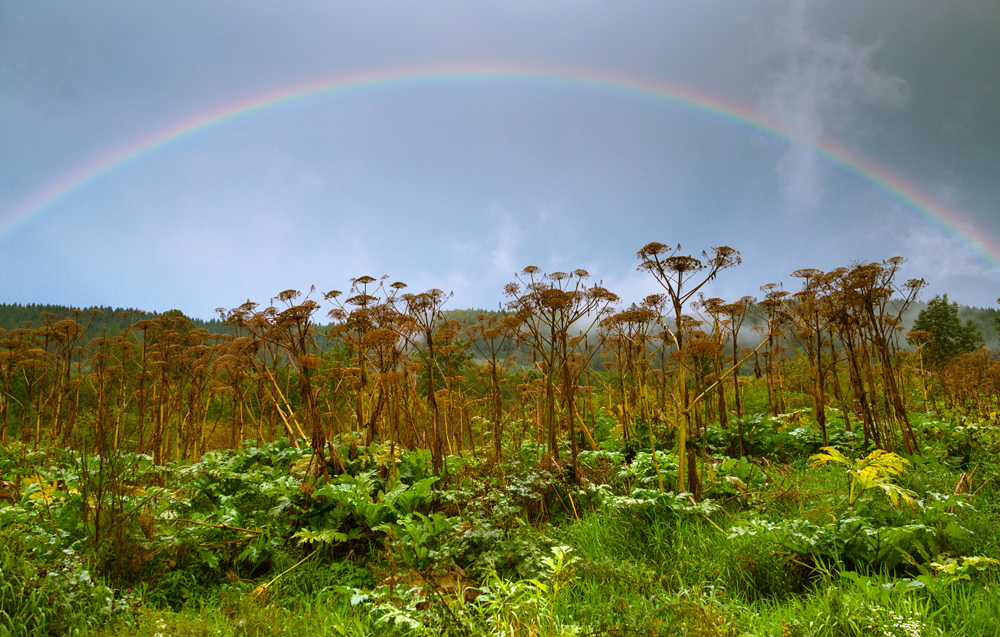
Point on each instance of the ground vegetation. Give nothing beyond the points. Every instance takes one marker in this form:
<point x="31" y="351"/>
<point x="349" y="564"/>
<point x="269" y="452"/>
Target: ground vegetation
<point x="362" y="463"/>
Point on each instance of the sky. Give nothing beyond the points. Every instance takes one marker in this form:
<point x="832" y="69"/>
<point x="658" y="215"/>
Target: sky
<point x="195" y="155"/>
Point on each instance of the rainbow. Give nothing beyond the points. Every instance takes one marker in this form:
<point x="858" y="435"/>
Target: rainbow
<point x="587" y="82"/>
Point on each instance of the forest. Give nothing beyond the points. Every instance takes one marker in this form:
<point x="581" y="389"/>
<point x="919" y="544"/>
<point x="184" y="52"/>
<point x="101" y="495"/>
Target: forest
<point x="808" y="461"/>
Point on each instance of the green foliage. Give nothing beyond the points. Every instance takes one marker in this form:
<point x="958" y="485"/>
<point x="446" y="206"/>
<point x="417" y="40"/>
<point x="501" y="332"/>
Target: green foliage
<point x="47" y="590"/>
<point x="13" y="315"/>
<point x="732" y="478"/>
<point x="853" y="541"/>
<point x="964" y="568"/>
<point x="949" y="337"/>
<point x="875" y="471"/>
<point x="529" y="606"/>
<point x="785" y="436"/>
<point x="350" y="508"/>
<point x="640" y="473"/>
<point x="954" y="438"/>
<point x="865" y="534"/>
<point x="847" y="544"/>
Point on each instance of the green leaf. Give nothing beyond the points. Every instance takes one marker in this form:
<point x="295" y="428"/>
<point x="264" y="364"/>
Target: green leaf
<point x="831" y="455"/>
<point x="326" y="536"/>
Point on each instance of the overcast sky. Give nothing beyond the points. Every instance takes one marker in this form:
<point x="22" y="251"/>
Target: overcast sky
<point x="459" y="184"/>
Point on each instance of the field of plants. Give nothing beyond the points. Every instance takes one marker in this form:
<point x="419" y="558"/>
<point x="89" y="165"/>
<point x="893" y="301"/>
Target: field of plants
<point x="794" y="465"/>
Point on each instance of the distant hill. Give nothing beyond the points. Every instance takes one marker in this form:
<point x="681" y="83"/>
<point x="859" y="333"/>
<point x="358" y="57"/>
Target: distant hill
<point x="14" y="315"/>
<point x="110" y="319"/>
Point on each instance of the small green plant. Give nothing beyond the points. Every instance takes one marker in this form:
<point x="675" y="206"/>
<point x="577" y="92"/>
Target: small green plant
<point x="528" y="607"/>
<point x="952" y="570"/>
<point x="874" y="471"/>
<point x="51" y="592"/>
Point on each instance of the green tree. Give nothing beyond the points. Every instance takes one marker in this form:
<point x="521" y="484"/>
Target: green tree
<point x="949" y="336"/>
<point x="996" y="320"/>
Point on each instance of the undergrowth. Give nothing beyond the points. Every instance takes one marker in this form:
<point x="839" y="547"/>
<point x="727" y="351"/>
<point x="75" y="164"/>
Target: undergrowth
<point x="792" y="539"/>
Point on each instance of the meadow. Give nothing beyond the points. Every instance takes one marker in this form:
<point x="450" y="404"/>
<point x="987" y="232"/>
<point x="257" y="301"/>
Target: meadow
<point x="567" y="466"/>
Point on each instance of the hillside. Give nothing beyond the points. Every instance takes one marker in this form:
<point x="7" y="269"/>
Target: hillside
<point x="96" y="318"/>
<point x="14" y="315"/>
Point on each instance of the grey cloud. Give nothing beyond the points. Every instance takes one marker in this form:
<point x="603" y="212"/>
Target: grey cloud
<point x="818" y="91"/>
<point x="508" y="239"/>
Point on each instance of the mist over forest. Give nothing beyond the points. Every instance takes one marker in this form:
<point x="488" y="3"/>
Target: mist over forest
<point x="116" y="319"/>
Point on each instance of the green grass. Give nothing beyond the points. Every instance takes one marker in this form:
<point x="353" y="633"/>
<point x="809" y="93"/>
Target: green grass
<point x="614" y="562"/>
<point x="45" y="591"/>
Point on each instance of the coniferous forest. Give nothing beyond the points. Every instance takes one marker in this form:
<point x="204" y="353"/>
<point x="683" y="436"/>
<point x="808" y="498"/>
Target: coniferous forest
<point x="810" y="460"/>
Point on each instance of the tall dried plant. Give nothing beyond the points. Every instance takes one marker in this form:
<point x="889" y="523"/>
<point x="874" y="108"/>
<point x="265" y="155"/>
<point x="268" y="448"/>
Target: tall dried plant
<point x="492" y="337"/>
<point x="682" y="276"/>
<point x="556" y="313"/>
